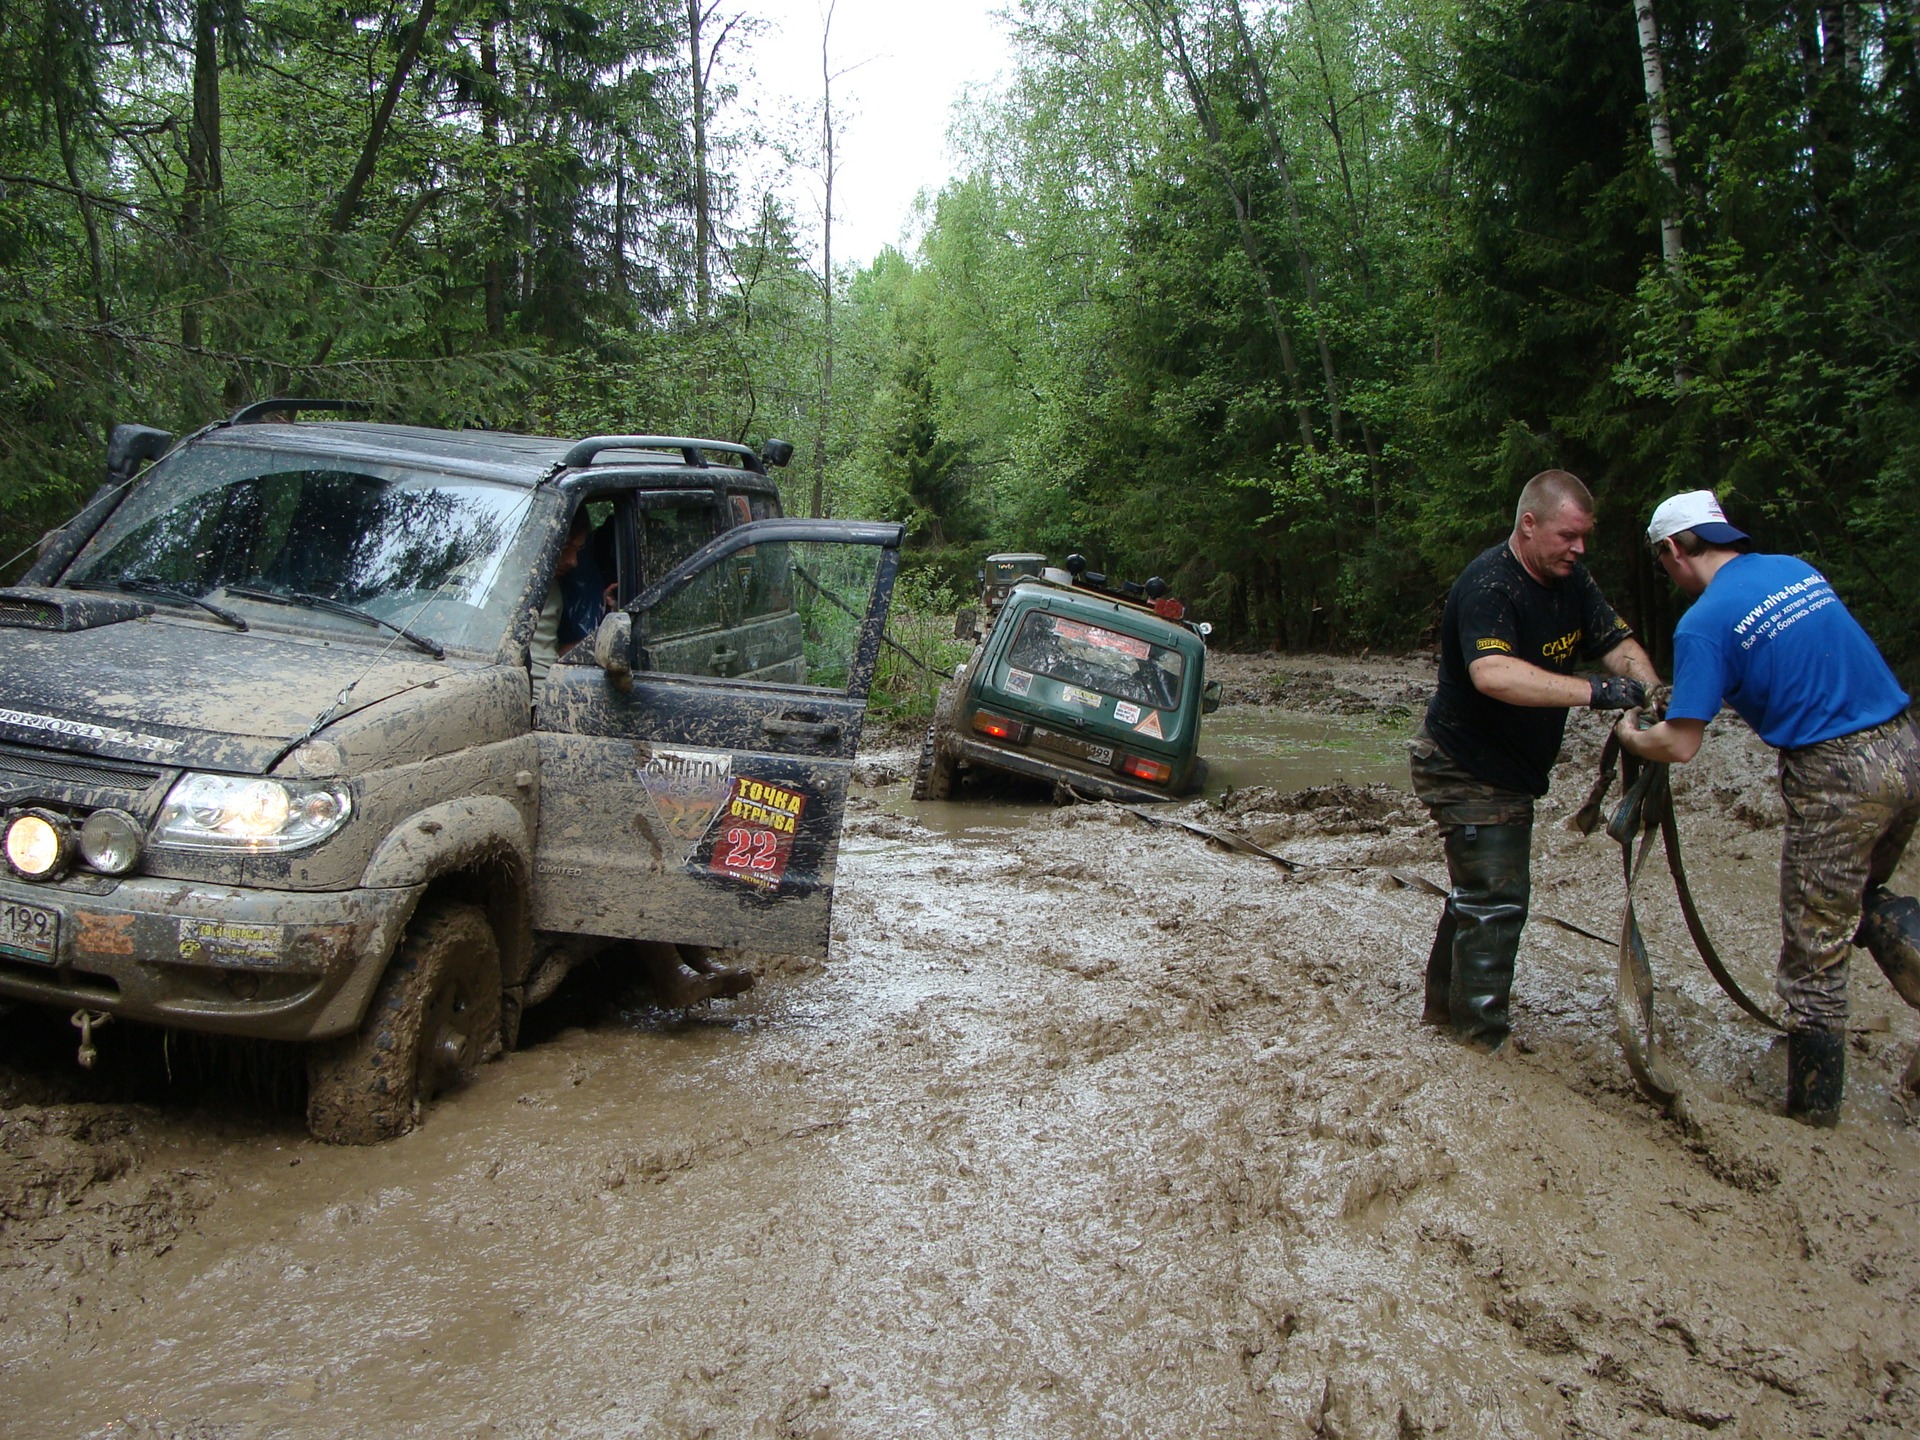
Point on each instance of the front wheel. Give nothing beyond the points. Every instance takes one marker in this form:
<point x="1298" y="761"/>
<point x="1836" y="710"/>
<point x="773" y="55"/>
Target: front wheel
<point x="433" y="1021"/>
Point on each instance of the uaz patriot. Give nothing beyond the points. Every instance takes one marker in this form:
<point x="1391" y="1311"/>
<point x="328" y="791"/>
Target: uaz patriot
<point x="360" y="735"/>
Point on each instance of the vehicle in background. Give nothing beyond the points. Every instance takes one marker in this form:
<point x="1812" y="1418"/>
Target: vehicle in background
<point x="1081" y="686"/>
<point x="281" y="755"/>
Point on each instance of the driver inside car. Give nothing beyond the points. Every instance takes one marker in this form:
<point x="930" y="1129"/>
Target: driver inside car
<point x="582" y="591"/>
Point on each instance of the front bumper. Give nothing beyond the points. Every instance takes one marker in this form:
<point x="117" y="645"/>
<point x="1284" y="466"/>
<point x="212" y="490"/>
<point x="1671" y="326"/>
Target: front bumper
<point x="277" y="965"/>
<point x="1098" y="785"/>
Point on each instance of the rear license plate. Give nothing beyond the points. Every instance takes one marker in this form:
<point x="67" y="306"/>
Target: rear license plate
<point x="1079" y="749"/>
<point x="30" y="932"/>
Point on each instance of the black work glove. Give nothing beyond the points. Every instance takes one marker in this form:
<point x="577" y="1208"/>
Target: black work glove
<point x="1615" y="692"/>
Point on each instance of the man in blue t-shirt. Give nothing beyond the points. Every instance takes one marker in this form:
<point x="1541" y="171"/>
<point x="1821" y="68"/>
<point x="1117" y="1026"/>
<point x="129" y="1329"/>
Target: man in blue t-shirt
<point x="1767" y="635"/>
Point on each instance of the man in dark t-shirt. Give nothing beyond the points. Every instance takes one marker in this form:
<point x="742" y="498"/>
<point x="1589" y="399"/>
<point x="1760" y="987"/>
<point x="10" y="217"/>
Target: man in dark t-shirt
<point x="1518" y="622"/>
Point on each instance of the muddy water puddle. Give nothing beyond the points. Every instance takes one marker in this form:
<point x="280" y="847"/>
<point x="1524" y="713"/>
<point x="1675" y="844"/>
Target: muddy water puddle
<point x="1242" y="744"/>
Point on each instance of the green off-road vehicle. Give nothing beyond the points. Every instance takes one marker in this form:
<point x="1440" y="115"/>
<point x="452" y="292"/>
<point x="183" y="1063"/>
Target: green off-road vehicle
<point x="1095" y="691"/>
<point x="360" y="736"/>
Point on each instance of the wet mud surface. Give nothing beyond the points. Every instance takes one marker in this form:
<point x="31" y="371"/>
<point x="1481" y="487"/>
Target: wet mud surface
<point x="1086" y="1128"/>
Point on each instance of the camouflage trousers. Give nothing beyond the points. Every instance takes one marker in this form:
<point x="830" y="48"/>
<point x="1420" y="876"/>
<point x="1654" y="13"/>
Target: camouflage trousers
<point x="1852" y="803"/>
<point x="1453" y="796"/>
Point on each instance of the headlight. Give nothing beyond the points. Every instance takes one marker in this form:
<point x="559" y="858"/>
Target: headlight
<point x="39" y="844"/>
<point x="234" y="812"/>
<point x="110" y="841"/>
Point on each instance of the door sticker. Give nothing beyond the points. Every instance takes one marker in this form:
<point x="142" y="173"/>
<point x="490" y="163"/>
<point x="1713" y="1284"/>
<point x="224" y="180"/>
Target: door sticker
<point x="687" y="787"/>
<point x="752" y="836"/>
<point x="1150" y="726"/>
<point x="1083" y="697"/>
<point x="1019" y="682"/>
<point x="1125" y="711"/>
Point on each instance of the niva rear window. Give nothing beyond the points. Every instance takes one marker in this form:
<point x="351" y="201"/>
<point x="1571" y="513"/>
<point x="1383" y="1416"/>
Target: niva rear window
<point x="1112" y="662"/>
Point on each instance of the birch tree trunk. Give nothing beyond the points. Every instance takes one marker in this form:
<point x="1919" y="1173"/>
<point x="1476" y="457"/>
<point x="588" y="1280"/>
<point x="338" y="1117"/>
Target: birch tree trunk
<point x="818" y="507"/>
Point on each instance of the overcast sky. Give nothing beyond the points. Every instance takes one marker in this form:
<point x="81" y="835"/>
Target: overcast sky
<point x="904" y="63"/>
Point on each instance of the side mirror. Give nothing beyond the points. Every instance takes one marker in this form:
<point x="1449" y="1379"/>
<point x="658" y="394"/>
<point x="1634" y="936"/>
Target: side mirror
<point x="1210" y="697"/>
<point x="130" y="445"/>
<point x="966" y="625"/>
<point x="778" y="453"/>
<point x="613" y="649"/>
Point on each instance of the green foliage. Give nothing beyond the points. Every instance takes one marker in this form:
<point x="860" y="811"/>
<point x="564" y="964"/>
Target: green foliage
<point x="1282" y="302"/>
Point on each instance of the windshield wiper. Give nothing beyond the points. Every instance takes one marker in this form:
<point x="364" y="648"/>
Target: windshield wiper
<point x="309" y="601"/>
<point x="154" y="585"/>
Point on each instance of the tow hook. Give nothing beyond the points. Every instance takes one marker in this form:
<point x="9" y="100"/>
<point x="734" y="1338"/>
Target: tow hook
<point x="84" y="1021"/>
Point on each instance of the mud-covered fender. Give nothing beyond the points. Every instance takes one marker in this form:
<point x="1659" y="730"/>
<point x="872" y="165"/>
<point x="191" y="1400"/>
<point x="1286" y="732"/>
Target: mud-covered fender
<point x="473" y="835"/>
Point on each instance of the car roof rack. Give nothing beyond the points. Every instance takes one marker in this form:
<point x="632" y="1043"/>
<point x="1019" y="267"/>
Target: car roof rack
<point x="582" y="452"/>
<point x="287" y="406"/>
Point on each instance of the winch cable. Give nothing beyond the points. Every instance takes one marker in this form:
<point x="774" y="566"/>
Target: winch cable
<point x="1231" y="840"/>
<point x="1644" y="811"/>
<point x="1646" y="807"/>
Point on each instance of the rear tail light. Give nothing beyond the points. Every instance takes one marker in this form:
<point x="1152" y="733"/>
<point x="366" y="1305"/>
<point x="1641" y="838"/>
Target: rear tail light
<point x="999" y="726"/>
<point x="1154" y="772"/>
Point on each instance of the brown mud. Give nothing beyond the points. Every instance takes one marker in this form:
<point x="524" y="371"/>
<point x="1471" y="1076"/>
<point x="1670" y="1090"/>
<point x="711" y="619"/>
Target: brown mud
<point x="1085" y="1129"/>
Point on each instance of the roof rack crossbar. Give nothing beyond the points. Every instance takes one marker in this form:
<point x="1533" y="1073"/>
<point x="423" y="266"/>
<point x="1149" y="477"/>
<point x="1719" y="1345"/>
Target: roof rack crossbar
<point x="582" y="452"/>
<point x="289" y="407"/>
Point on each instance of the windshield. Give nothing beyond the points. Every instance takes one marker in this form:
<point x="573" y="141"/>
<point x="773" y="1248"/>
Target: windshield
<point x="430" y="552"/>
<point x="1108" y="661"/>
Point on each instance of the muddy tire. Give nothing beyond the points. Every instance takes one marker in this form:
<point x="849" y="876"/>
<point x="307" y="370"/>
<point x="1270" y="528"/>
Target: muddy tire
<point x="433" y="1021"/>
<point x="933" y="777"/>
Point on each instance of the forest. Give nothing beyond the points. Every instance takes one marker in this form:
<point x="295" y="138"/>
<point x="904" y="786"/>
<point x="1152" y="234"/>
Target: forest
<point x="1279" y="299"/>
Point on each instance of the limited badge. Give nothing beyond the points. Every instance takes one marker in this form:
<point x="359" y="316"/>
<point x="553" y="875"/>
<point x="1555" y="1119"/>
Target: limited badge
<point x="687" y="787"/>
<point x="1150" y="726"/>
<point x="1019" y="682"/>
<point x="1083" y="697"/>
<point x="752" y="836"/>
<point x="1125" y="711"/>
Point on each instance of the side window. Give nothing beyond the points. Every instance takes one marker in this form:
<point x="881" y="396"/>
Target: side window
<point x="586" y="584"/>
<point x="781" y="612"/>
<point x="672" y="527"/>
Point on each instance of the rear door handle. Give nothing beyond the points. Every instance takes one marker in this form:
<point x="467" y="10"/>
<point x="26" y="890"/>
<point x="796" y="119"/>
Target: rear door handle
<point x="802" y="727"/>
<point x="719" y="662"/>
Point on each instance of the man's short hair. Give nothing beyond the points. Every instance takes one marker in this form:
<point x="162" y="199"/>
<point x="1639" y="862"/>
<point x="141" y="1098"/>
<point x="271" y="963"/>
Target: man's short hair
<point x="1545" y="493"/>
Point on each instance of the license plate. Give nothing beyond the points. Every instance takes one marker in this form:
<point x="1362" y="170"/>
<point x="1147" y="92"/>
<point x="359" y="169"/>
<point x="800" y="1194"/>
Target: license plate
<point x="1069" y="745"/>
<point x="30" y="932"/>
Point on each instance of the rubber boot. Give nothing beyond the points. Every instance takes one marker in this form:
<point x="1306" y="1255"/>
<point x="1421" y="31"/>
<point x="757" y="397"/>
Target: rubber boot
<point x="1890" y="929"/>
<point x="1816" y="1076"/>
<point x="1491" y="883"/>
<point x="1439" y="1010"/>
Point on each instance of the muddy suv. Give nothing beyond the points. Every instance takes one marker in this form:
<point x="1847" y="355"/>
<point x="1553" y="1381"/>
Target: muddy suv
<point x="1086" y="688"/>
<point x="293" y="744"/>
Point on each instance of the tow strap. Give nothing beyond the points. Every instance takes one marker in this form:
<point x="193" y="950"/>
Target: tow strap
<point x="1646" y="807"/>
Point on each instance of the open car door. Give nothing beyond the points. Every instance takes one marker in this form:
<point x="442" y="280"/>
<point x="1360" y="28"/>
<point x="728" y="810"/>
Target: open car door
<point x="693" y="771"/>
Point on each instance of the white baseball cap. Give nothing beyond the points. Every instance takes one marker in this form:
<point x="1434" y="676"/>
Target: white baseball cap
<point x="1698" y="511"/>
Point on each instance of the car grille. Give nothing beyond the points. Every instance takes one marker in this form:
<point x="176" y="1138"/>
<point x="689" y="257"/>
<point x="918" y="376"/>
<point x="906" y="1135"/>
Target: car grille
<point x="81" y="780"/>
